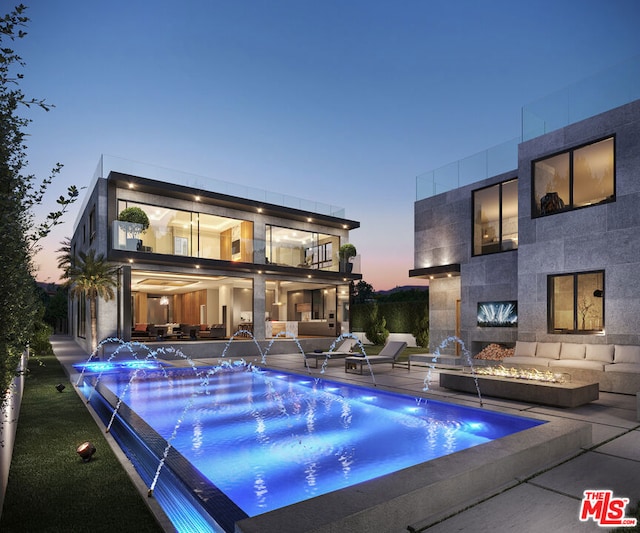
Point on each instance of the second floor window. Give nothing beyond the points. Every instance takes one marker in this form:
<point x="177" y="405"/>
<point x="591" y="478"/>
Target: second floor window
<point x="577" y="178"/>
<point x="187" y="233"/>
<point x="302" y="249"/>
<point x="495" y="218"/>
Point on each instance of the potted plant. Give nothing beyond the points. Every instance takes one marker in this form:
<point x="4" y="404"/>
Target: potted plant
<point x="346" y="252"/>
<point x="136" y="222"/>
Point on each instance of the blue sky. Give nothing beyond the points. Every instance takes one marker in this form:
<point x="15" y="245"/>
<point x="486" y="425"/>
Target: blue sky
<point x="342" y="102"/>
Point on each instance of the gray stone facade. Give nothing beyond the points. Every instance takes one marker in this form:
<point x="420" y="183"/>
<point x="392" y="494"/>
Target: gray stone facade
<point x="599" y="237"/>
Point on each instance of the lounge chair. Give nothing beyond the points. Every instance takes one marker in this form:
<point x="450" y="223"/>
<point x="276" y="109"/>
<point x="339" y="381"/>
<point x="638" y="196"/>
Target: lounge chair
<point x="388" y="354"/>
<point x="343" y="350"/>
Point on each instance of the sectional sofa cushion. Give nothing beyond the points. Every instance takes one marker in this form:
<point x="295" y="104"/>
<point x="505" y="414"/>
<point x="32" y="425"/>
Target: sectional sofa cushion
<point x="549" y="350"/>
<point x="577" y="363"/>
<point x="570" y="350"/>
<point x="626" y="354"/>
<point x="600" y="352"/>
<point x="525" y="360"/>
<point x="525" y="349"/>
<point x="630" y="368"/>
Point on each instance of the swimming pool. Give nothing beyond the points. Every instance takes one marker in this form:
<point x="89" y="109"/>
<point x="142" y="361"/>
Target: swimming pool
<point x="246" y="441"/>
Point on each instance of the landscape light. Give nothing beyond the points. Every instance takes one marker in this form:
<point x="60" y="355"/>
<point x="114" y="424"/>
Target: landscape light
<point x="60" y="387"/>
<point x="86" y="451"/>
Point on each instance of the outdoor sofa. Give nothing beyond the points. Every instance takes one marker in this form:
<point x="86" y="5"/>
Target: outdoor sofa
<point x="616" y="367"/>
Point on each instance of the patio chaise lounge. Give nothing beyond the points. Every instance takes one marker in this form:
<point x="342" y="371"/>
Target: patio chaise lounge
<point x="345" y="349"/>
<point x="388" y="354"/>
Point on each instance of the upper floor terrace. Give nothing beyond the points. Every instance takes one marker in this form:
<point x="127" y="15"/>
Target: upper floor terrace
<point x="236" y="226"/>
<point x="613" y="87"/>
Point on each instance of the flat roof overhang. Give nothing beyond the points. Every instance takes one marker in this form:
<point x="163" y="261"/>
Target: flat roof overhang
<point x="440" y="271"/>
<point x="204" y="266"/>
<point x="182" y="192"/>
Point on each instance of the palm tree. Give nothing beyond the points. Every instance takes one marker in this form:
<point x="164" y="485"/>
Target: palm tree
<point x="65" y="259"/>
<point x="92" y="277"/>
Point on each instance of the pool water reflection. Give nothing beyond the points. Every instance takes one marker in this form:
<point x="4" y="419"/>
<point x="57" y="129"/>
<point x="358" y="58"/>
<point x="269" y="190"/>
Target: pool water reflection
<point x="270" y="439"/>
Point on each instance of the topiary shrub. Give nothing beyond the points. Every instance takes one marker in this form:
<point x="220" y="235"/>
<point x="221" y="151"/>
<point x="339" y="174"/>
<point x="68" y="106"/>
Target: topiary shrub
<point x="135" y="215"/>
<point x="376" y="326"/>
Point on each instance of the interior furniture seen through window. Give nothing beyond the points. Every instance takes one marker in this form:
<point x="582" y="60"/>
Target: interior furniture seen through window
<point x="577" y="178"/>
<point x="576" y="302"/>
<point x="186" y="233"/>
<point x="495" y="218"/>
<point x="302" y="249"/>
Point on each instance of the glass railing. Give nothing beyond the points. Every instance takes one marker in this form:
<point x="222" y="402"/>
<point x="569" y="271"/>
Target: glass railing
<point x="109" y="163"/>
<point x="601" y="92"/>
<point x="491" y="162"/>
<point x="130" y="237"/>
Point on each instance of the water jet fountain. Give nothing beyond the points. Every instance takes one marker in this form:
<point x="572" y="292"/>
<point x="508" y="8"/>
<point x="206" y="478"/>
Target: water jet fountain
<point x="466" y="353"/>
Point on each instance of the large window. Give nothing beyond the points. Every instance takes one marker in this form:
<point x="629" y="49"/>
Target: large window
<point x="578" y="178"/>
<point x="303" y="249"/>
<point x="576" y="303"/>
<point x="176" y="232"/>
<point x="495" y="218"/>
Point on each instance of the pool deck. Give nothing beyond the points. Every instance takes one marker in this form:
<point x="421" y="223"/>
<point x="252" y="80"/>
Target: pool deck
<point x="548" y="500"/>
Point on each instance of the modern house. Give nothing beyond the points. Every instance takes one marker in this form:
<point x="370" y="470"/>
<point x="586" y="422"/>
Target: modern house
<point x="211" y="264"/>
<point x="547" y="249"/>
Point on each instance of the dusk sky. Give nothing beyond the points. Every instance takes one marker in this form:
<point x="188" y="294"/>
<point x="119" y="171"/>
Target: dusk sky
<point x="340" y="102"/>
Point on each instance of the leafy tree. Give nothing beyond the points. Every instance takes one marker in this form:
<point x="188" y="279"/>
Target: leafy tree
<point x="363" y="292"/>
<point x="405" y="295"/>
<point x="56" y="309"/>
<point x="19" y="196"/>
<point x="92" y="277"/>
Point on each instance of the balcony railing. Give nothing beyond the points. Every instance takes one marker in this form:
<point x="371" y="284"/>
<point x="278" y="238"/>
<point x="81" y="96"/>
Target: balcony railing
<point x="610" y="88"/>
<point x="128" y="236"/>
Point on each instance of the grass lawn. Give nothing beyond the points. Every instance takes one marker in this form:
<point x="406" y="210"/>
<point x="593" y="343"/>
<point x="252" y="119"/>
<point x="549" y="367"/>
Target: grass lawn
<point x="50" y="488"/>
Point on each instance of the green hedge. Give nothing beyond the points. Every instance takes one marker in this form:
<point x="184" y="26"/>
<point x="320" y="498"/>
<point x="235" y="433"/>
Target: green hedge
<point x="401" y="317"/>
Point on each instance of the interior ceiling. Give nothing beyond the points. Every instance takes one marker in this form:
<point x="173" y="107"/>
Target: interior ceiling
<point x="158" y="282"/>
<point x="172" y="283"/>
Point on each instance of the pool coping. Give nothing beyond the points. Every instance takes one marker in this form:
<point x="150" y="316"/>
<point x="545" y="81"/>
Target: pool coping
<point x="421" y="494"/>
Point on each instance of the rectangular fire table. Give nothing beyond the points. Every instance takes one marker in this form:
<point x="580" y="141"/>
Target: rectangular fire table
<point x="568" y="394"/>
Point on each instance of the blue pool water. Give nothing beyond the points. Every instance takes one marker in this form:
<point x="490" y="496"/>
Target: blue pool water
<point x="268" y="439"/>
